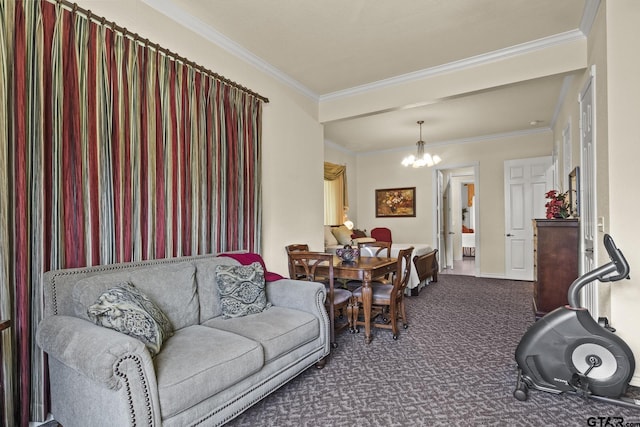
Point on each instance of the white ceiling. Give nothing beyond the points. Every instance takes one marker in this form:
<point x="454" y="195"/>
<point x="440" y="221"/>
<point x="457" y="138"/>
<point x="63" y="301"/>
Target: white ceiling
<point x="325" y="48"/>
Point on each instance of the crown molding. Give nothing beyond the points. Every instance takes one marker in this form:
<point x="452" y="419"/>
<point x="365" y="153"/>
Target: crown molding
<point x="337" y="147"/>
<point x="589" y="16"/>
<point x="469" y="140"/>
<point x="564" y="90"/>
<point x="474" y="61"/>
<point x="175" y="13"/>
<point x="168" y="8"/>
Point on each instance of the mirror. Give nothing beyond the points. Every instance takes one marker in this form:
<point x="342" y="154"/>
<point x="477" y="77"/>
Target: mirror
<point x="574" y="192"/>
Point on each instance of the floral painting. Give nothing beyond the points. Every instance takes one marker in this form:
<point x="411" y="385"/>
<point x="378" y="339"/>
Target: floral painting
<point x="396" y="202"/>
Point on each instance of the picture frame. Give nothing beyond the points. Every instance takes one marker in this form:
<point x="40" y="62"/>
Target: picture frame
<point x="574" y="192"/>
<point x="396" y="202"/>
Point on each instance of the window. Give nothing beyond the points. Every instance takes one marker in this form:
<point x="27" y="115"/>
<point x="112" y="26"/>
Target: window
<point x="335" y="193"/>
<point x="333" y="209"/>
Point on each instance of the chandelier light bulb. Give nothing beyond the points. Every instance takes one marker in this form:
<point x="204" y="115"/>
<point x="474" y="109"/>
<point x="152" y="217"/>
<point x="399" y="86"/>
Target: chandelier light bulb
<point x="422" y="158"/>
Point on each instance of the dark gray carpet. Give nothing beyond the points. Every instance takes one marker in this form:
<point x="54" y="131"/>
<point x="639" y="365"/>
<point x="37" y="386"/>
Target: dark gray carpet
<point x="454" y="366"/>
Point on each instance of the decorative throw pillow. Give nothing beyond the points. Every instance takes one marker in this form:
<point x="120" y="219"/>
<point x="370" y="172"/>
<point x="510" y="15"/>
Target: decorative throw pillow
<point x="343" y="235"/>
<point x="242" y="289"/>
<point x="329" y="238"/>
<point x="125" y="308"/>
<point x="355" y="233"/>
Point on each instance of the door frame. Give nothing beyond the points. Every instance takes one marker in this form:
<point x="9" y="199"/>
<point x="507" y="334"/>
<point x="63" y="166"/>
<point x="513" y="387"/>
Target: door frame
<point x="532" y="207"/>
<point x="437" y="203"/>
<point x="590" y="294"/>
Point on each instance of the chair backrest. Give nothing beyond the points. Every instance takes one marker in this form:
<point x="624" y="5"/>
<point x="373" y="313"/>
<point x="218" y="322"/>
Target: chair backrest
<point x="306" y="265"/>
<point x="377" y="248"/>
<point x="382" y="234"/>
<point x="403" y="270"/>
<point x="296" y="247"/>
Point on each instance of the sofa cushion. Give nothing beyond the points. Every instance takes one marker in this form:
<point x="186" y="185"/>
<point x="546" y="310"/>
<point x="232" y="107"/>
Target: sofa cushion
<point x="241" y="289"/>
<point x="343" y="235"/>
<point x="126" y="309"/>
<point x="278" y="329"/>
<point x="171" y="286"/>
<point x="329" y="238"/>
<point x="198" y="362"/>
<point x="207" y="287"/>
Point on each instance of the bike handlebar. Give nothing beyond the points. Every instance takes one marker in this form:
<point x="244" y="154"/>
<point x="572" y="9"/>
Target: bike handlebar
<point x="618" y="265"/>
<point x="618" y="259"/>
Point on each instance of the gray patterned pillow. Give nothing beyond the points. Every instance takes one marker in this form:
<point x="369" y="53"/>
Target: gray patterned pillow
<point x="125" y="308"/>
<point x="242" y="289"/>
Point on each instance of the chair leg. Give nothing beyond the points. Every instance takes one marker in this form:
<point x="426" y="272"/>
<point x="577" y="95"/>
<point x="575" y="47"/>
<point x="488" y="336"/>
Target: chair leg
<point x="403" y="313"/>
<point x="355" y="313"/>
<point x="350" y="315"/>
<point x="394" y="320"/>
<point x="332" y="327"/>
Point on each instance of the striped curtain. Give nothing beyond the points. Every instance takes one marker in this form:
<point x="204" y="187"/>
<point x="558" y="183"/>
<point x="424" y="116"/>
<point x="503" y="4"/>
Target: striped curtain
<point x="110" y="152"/>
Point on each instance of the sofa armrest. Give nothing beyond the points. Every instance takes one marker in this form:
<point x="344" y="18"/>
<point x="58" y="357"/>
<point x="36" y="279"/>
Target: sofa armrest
<point x="92" y="350"/>
<point x="103" y="368"/>
<point x="298" y="294"/>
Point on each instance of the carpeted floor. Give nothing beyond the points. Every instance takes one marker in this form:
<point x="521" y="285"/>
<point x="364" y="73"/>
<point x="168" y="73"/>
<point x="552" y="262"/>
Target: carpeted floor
<point x="454" y="366"/>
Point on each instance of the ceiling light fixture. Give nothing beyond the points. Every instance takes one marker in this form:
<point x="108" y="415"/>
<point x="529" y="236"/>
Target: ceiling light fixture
<point x="422" y="159"/>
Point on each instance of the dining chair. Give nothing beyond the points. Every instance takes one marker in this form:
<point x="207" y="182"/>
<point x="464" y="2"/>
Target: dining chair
<point x="296" y="247"/>
<point x="379" y="249"/>
<point x="389" y="296"/>
<point x="338" y="299"/>
<point x="381" y="234"/>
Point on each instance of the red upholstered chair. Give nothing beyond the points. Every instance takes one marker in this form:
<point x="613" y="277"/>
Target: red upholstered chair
<point x="381" y="234"/>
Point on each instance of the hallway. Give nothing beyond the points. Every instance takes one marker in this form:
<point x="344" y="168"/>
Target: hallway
<point x="464" y="267"/>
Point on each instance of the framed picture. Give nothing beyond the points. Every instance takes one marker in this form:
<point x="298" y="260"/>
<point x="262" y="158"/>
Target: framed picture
<point x="574" y="192"/>
<point x="396" y="202"/>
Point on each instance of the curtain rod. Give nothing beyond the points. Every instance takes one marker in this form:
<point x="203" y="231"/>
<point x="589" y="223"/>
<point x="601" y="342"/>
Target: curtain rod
<point x="115" y="27"/>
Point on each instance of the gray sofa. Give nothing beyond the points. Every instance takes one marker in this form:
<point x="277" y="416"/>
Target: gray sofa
<point x="210" y="370"/>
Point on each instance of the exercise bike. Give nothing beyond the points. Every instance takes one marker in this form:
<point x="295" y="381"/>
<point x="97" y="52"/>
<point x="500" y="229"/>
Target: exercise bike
<point x="568" y="351"/>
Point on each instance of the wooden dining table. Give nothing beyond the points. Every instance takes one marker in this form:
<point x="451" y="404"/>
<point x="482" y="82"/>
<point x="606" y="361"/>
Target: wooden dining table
<point x="364" y="269"/>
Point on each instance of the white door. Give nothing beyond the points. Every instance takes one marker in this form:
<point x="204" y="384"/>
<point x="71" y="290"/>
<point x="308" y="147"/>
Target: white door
<point x="587" y="197"/>
<point x="440" y="220"/>
<point x="525" y="183"/>
<point x="448" y="231"/>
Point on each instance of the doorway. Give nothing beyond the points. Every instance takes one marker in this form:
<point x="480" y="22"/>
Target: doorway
<point x="456" y="220"/>
<point x="587" y="199"/>
<point x="525" y="183"/>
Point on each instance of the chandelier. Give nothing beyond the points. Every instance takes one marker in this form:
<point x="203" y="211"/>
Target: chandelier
<point x="422" y="159"/>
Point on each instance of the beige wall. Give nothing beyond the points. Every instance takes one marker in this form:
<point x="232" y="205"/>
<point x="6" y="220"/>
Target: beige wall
<point x="292" y="189"/>
<point x="383" y="170"/>
<point x="623" y="63"/>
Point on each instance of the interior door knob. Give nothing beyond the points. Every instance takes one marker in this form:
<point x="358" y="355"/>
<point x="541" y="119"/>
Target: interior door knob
<point x="509" y="235"/>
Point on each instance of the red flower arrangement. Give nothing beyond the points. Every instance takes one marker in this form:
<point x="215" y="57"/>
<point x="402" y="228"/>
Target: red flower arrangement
<point x="558" y="204"/>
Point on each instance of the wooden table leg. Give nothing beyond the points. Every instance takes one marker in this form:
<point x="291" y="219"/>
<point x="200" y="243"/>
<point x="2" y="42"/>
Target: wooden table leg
<point x="366" y="306"/>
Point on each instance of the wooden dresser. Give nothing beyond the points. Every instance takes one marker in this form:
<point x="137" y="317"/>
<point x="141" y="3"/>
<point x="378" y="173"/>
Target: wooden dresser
<point x="555" y="262"/>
